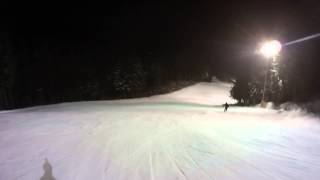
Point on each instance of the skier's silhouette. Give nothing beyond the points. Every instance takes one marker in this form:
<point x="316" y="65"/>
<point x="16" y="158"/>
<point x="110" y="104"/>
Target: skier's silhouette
<point x="226" y="106"/>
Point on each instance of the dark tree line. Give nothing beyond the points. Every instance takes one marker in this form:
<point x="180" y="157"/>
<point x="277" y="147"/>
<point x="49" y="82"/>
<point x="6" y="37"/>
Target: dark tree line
<point x="36" y="73"/>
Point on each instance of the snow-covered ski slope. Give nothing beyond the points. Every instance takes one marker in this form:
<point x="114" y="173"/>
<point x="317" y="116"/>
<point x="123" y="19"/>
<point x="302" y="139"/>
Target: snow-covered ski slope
<point x="173" y="136"/>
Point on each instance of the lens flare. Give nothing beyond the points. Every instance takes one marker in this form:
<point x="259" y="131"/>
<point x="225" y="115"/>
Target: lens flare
<point x="302" y="39"/>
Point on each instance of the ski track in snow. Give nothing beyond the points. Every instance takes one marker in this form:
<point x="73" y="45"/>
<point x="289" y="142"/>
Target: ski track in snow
<point x="175" y="136"/>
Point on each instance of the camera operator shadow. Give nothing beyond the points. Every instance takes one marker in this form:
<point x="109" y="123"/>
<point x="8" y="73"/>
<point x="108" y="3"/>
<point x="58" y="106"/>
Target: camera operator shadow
<point x="47" y="171"/>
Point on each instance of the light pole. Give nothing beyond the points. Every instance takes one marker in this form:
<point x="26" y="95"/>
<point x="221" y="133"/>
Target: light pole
<point x="270" y="50"/>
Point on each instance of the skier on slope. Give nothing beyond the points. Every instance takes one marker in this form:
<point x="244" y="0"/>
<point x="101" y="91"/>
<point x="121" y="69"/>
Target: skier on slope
<point x="226" y="106"/>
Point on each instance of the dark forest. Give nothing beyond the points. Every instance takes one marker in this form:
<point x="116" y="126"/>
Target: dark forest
<point x="141" y="49"/>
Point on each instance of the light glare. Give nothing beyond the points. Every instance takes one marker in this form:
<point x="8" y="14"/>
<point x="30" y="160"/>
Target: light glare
<point x="270" y="49"/>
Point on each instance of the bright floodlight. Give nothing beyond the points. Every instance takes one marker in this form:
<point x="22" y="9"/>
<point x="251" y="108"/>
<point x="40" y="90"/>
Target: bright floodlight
<point x="270" y="49"/>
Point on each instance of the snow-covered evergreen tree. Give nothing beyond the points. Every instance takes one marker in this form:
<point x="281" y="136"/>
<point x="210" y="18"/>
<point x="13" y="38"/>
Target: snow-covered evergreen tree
<point x="129" y="78"/>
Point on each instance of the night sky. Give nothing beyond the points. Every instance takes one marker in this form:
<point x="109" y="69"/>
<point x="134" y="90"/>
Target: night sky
<point x="172" y="26"/>
<point x="219" y="35"/>
<point x="201" y="29"/>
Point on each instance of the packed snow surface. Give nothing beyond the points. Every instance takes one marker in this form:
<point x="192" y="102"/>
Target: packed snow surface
<point x="182" y="135"/>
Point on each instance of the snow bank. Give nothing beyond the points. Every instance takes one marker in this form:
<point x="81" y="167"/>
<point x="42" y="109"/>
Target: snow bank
<point x="313" y="106"/>
<point x="290" y="106"/>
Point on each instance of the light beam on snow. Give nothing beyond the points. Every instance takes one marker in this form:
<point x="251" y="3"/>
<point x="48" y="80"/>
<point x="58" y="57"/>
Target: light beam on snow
<point x="302" y="39"/>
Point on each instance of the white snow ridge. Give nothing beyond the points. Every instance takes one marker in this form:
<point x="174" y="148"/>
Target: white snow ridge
<point x="183" y="135"/>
